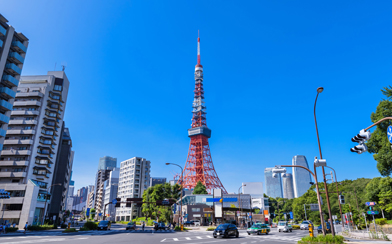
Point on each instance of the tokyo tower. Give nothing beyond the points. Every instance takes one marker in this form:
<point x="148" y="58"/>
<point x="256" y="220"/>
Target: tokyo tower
<point x="199" y="166"/>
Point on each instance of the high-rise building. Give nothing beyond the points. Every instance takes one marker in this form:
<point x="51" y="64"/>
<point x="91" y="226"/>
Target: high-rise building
<point x="31" y="145"/>
<point x="256" y="191"/>
<point x="107" y="163"/>
<point x="301" y="177"/>
<point x="287" y="182"/>
<point x="90" y="197"/>
<point x="62" y="174"/>
<point x="102" y="176"/>
<point x="273" y="185"/>
<point x="111" y="189"/>
<point x="134" y="179"/>
<point x="13" y="47"/>
<point x="157" y="180"/>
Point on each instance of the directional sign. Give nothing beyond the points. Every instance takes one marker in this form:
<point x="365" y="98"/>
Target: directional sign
<point x="291" y="215"/>
<point x="114" y="201"/>
<point x="88" y="212"/>
<point x="389" y="133"/>
<point x="372" y="212"/>
<point x="372" y="203"/>
<point x="233" y="199"/>
<point x="165" y="202"/>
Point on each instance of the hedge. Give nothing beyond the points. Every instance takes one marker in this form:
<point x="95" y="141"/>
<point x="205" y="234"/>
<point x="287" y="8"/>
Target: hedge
<point x="323" y="239"/>
<point x="10" y="229"/>
<point x="70" y="230"/>
<point x="211" y="228"/>
<point x="90" y="225"/>
<point x="39" y="227"/>
<point x="381" y="221"/>
<point x="295" y="227"/>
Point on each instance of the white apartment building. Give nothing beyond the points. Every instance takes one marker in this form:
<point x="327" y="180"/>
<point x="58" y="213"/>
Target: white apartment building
<point x="111" y="189"/>
<point x="31" y="145"/>
<point x="134" y="179"/>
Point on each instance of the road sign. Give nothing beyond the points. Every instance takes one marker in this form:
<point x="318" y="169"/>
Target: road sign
<point x="165" y="202"/>
<point x="232" y="199"/>
<point x="291" y="215"/>
<point x="314" y="207"/>
<point x="372" y="203"/>
<point x="114" y="201"/>
<point x="334" y="217"/>
<point x="100" y="214"/>
<point x="390" y="134"/>
<point x="372" y="212"/>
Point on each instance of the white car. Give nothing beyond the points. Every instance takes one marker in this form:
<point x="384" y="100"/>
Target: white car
<point x="284" y="226"/>
<point x="196" y="223"/>
<point x="305" y="224"/>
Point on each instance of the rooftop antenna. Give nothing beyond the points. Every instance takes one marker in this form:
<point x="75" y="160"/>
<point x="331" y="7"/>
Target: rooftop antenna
<point x="55" y="66"/>
<point x="63" y="64"/>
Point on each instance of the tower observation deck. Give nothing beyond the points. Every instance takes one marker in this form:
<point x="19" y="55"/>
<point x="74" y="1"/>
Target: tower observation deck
<point x="199" y="166"/>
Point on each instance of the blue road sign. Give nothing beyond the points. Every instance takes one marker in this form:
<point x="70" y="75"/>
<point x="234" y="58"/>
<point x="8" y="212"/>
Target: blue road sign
<point x="232" y="199"/>
<point x="114" y="201"/>
<point x="389" y="132"/>
<point x="372" y="212"/>
<point x="100" y="214"/>
<point x="175" y="208"/>
<point x="370" y="203"/>
<point x="88" y="212"/>
<point x="291" y="215"/>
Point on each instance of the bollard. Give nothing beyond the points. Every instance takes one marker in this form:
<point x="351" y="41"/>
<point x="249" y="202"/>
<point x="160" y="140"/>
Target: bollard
<point x="311" y="233"/>
<point x="69" y="225"/>
<point x="182" y="227"/>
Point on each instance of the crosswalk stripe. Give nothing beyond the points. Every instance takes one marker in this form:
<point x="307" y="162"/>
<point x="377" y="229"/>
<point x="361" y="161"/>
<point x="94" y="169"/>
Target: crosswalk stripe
<point x="209" y="236"/>
<point x="175" y="239"/>
<point x="188" y="238"/>
<point x="198" y="237"/>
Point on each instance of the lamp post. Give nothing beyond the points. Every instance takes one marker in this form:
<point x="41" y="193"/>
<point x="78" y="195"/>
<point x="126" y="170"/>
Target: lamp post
<point x="337" y="190"/>
<point x="182" y="178"/>
<point x="239" y="200"/>
<point x="46" y="200"/>
<point x="319" y="90"/>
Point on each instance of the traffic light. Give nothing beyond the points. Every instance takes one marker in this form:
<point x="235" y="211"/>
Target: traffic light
<point x="4" y="194"/>
<point x="341" y="199"/>
<point x="118" y="204"/>
<point x="361" y="138"/>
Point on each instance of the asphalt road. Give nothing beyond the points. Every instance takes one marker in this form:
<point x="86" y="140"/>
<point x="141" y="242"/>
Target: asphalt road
<point x="121" y="236"/>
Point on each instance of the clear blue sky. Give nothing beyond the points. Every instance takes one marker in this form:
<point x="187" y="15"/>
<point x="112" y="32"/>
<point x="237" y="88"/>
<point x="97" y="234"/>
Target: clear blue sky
<point x="131" y="64"/>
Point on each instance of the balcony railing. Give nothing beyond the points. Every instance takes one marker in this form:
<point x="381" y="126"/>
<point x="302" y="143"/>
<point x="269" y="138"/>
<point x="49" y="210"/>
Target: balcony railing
<point x="24" y="112"/>
<point x="15" y="57"/>
<point x="21" y="132"/>
<point x="15" y="152"/>
<point x="19" y="46"/>
<point x="27" y="103"/>
<point x="4" y="119"/>
<point x="6" y="92"/>
<point x="10" y="80"/>
<point x="29" y="94"/>
<point x="22" y="122"/>
<point x="3" y="31"/>
<point x="13" y="174"/>
<point x="5" y="105"/>
<point x="14" y="163"/>
<point x="18" y="142"/>
<point x="13" y="69"/>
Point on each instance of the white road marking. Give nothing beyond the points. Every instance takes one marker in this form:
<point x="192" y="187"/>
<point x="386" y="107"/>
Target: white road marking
<point x="163" y="240"/>
<point x="175" y="239"/>
<point x="209" y="236"/>
<point x="188" y="238"/>
<point x="198" y="237"/>
<point x="35" y="241"/>
<point x="83" y="238"/>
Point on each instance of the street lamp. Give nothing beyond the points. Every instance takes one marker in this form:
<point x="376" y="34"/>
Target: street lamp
<point x="319" y="90"/>
<point x="337" y="190"/>
<point x="46" y="200"/>
<point x="182" y="178"/>
<point x="239" y="200"/>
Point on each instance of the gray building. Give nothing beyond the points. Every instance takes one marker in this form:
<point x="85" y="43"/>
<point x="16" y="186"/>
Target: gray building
<point x="134" y="180"/>
<point x="287" y="182"/>
<point x="111" y="189"/>
<point x="102" y="176"/>
<point x="107" y="163"/>
<point x="31" y="145"/>
<point x="273" y="185"/>
<point x="13" y="47"/>
<point x="301" y="177"/>
<point x="62" y="174"/>
<point x="157" y="180"/>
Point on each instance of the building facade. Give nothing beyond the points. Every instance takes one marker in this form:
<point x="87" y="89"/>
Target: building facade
<point x="13" y="48"/>
<point x="32" y="142"/>
<point x="157" y="180"/>
<point x="90" y="197"/>
<point x="111" y="189"/>
<point x="102" y="176"/>
<point x="62" y="175"/>
<point x="301" y="177"/>
<point x="134" y="180"/>
<point x="287" y="183"/>
<point x="273" y="185"/>
<point x="107" y="162"/>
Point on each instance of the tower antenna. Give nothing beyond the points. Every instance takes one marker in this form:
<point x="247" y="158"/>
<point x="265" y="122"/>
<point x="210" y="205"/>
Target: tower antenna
<point x="63" y="64"/>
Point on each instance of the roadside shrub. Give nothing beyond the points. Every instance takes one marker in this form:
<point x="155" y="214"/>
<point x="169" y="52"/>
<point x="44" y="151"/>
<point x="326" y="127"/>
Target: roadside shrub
<point x="90" y="225"/>
<point x="63" y="226"/>
<point x="295" y="227"/>
<point x="83" y="229"/>
<point x="55" y="226"/>
<point x="211" y="228"/>
<point x="323" y="239"/>
<point x="11" y="229"/>
<point x="70" y="230"/>
<point x="39" y="227"/>
<point x="381" y="221"/>
<point x="178" y="228"/>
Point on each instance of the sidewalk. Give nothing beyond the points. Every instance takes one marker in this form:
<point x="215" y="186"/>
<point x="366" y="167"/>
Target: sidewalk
<point x="364" y="237"/>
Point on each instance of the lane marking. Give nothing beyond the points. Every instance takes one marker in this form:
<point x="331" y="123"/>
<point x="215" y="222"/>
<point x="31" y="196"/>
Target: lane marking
<point x="198" y="237"/>
<point x="209" y="236"/>
<point x="188" y="238"/>
<point x="175" y="239"/>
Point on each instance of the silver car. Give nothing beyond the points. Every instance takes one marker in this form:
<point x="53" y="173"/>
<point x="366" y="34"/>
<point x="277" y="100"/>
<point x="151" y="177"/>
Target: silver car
<point x="305" y="224"/>
<point x="284" y="226"/>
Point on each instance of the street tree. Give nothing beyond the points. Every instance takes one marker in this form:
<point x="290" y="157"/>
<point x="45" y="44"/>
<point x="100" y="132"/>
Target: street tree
<point x="200" y="189"/>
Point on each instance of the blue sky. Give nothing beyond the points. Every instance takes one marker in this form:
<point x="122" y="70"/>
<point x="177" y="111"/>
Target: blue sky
<point x="131" y="64"/>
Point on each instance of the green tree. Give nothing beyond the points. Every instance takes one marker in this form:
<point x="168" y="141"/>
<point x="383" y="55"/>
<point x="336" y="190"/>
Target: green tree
<point x="200" y="189"/>
<point x="92" y="213"/>
<point x="386" y="201"/>
<point x="378" y="143"/>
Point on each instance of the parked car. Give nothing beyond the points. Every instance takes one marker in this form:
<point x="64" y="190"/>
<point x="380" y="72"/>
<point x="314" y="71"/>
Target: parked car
<point x="162" y="226"/>
<point x="273" y="225"/>
<point x="196" y="223"/>
<point x="337" y="222"/>
<point x="284" y="226"/>
<point x="258" y="229"/>
<point x="188" y="222"/>
<point x="226" y="230"/>
<point x="305" y="224"/>
<point x="104" y="225"/>
<point x="328" y="228"/>
<point x="131" y="226"/>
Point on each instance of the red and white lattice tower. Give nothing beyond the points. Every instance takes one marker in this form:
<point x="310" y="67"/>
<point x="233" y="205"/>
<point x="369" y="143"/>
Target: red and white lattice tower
<point x="199" y="166"/>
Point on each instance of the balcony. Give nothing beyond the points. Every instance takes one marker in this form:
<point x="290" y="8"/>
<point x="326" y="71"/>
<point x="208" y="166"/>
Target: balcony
<point x="4" y="119"/>
<point x="14" y="163"/>
<point x="12" y="174"/>
<point x="24" y="112"/>
<point x="10" y="80"/>
<point x="14" y="152"/>
<point x="20" y="132"/>
<point x="3" y="31"/>
<point x="22" y="122"/>
<point x="17" y="45"/>
<point x="16" y="58"/>
<point x="29" y="94"/>
<point x="6" y="92"/>
<point x="27" y="103"/>
<point x="18" y="142"/>
<point x="13" y="69"/>
<point x="4" y="105"/>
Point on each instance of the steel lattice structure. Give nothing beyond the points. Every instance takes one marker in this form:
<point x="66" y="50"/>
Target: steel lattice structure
<point x="199" y="166"/>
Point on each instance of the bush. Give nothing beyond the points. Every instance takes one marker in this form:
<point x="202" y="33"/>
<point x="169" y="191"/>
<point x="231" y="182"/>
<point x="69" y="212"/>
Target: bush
<point x="322" y="239"/>
<point x="381" y="221"/>
<point x="178" y="228"/>
<point x="211" y="228"/>
<point x="39" y="227"/>
<point x="83" y="229"/>
<point x="295" y="227"/>
<point x="90" y="225"/>
<point x="70" y="230"/>
<point x="11" y="229"/>
<point x="55" y="226"/>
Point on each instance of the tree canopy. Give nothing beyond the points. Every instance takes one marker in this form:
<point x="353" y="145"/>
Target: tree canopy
<point x="200" y="189"/>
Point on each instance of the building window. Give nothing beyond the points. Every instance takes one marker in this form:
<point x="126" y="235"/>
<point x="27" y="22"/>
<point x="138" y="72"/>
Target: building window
<point x="195" y="209"/>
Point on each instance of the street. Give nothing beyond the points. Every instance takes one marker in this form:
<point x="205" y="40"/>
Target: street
<point x="121" y="236"/>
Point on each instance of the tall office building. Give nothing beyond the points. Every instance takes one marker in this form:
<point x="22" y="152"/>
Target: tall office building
<point x="111" y="189"/>
<point x="301" y="177"/>
<point x="256" y="191"/>
<point x="287" y="182"/>
<point x="102" y="176"/>
<point x="90" y="197"/>
<point x="13" y="47"/>
<point x="62" y="174"/>
<point x="107" y="162"/>
<point x="31" y="145"/>
<point x="157" y="180"/>
<point x="134" y="179"/>
<point x="273" y="185"/>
